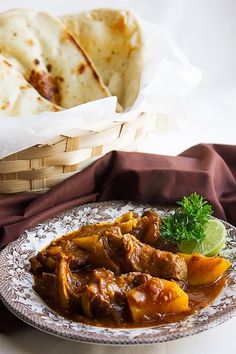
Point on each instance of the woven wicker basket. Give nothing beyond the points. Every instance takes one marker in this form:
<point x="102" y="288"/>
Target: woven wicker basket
<point x="41" y="167"/>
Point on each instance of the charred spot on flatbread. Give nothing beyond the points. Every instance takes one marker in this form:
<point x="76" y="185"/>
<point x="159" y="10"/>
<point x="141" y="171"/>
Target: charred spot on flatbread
<point x="46" y="85"/>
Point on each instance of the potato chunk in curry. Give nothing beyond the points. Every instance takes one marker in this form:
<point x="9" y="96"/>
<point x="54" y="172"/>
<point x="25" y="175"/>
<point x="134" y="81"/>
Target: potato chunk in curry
<point x="204" y="270"/>
<point x="156" y="296"/>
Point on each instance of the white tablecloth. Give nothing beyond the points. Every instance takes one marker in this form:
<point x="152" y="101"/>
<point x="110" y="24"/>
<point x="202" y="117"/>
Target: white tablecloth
<point x="206" y="32"/>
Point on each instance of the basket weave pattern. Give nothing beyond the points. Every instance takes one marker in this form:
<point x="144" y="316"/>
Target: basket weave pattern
<point x="41" y="167"/>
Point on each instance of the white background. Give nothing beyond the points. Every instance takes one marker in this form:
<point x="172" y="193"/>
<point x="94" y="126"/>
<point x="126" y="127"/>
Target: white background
<point x="206" y="31"/>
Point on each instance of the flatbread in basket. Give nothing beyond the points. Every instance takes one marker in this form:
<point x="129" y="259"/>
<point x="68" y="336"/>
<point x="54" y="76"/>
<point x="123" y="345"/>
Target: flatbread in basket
<point x="17" y="96"/>
<point x="91" y="55"/>
<point x="114" y="42"/>
<point x="49" y="58"/>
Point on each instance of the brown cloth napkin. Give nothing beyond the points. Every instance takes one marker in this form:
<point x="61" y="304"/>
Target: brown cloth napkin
<point x="209" y="170"/>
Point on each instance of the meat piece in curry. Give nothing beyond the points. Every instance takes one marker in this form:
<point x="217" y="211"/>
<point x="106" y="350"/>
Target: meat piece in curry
<point x="115" y="274"/>
<point x="125" y="253"/>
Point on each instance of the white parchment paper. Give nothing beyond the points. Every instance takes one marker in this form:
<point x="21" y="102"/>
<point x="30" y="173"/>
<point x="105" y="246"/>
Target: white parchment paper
<point x="167" y="79"/>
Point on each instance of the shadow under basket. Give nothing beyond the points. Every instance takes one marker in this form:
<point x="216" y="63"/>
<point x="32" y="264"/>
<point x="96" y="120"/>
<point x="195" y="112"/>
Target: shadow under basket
<point x="41" y="167"/>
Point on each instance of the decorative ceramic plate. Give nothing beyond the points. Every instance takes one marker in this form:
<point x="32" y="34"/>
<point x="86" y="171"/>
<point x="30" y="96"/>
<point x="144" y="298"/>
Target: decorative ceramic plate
<point x="17" y="294"/>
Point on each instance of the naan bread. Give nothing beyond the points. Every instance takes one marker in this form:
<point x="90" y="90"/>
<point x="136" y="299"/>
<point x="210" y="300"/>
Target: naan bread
<point x="17" y="96"/>
<point x="113" y="41"/>
<point x="49" y="58"/>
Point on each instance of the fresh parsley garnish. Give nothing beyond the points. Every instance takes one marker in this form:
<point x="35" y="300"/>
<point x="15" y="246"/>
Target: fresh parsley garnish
<point x="188" y="220"/>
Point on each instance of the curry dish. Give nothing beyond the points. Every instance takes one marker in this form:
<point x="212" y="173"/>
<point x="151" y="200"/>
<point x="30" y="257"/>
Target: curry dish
<point x="123" y="274"/>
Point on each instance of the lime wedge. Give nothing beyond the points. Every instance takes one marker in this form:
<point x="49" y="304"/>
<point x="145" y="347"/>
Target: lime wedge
<point x="214" y="240"/>
<point x="188" y="246"/>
